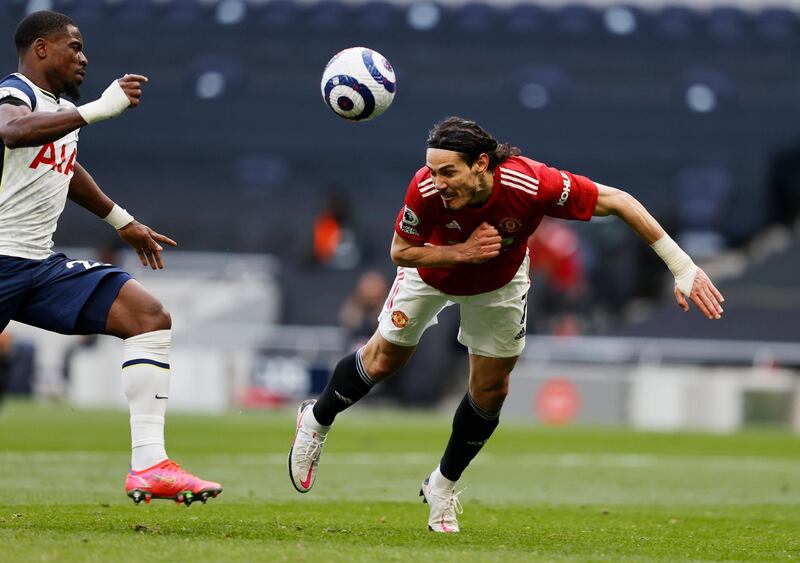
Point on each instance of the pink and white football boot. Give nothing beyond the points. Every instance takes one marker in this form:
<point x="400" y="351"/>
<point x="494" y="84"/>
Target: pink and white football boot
<point x="167" y="480"/>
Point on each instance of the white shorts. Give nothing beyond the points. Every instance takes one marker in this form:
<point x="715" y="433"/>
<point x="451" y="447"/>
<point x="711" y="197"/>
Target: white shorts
<point x="492" y="323"/>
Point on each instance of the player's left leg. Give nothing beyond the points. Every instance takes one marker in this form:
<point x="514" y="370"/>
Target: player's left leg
<point x="493" y="329"/>
<point x="140" y="320"/>
<point x="474" y="421"/>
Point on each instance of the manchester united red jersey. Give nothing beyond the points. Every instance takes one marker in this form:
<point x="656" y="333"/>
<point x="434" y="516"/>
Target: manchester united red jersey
<point x="524" y="192"/>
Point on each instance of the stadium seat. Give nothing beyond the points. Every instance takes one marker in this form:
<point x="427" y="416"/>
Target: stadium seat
<point x="676" y="22"/>
<point x="525" y="19"/>
<point x="703" y="196"/>
<point x="328" y="14"/>
<point x="626" y="20"/>
<point x="475" y="17"/>
<point x="261" y="175"/>
<point x="182" y="11"/>
<point x="377" y="16"/>
<point x="727" y="23"/>
<point x="14" y="10"/>
<point x="132" y="10"/>
<point x="550" y="83"/>
<point x="83" y="11"/>
<point x="776" y="25"/>
<point x="716" y="79"/>
<point x="279" y="14"/>
<point x="577" y="19"/>
<point x="424" y="16"/>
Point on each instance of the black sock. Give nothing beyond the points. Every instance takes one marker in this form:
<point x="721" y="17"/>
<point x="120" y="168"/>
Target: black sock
<point x="349" y="382"/>
<point x="472" y="427"/>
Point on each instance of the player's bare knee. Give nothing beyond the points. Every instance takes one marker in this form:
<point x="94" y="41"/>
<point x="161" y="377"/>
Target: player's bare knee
<point x="382" y="360"/>
<point x="384" y="365"/>
<point x="163" y="320"/>
<point x="489" y="396"/>
<point x="153" y="317"/>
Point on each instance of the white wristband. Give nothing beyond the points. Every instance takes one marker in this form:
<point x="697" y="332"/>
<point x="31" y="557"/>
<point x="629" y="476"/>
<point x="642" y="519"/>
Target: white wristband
<point x="677" y="261"/>
<point x="118" y="217"/>
<point x="110" y="104"/>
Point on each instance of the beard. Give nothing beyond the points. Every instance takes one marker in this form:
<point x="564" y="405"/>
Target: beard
<point x="73" y="91"/>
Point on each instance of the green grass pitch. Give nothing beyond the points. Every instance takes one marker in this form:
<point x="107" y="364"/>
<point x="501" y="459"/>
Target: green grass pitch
<point x="534" y="494"/>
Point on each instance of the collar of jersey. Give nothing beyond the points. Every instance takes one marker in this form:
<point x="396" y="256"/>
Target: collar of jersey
<point x="53" y="97"/>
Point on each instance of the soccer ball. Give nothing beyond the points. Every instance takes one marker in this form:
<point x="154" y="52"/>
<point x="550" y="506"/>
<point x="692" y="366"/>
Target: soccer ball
<point x="358" y="84"/>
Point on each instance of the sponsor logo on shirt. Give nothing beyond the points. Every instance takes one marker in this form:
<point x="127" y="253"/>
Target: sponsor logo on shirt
<point x="409" y="230"/>
<point x="399" y="319"/>
<point x="48" y="156"/>
<point x="453" y="225"/>
<point x="565" y="192"/>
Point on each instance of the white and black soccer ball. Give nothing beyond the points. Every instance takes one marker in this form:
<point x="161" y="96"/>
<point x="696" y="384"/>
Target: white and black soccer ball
<point x="358" y="84"/>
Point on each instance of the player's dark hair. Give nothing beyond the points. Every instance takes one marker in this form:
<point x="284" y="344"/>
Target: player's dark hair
<point x="469" y="139"/>
<point x="39" y="24"/>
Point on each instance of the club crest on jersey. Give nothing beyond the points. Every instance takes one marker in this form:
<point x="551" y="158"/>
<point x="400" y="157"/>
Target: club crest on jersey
<point x="399" y="319"/>
<point x="409" y="217"/>
<point x="510" y="225"/>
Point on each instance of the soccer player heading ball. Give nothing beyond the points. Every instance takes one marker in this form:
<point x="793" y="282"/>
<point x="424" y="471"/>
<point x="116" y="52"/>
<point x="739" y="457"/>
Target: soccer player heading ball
<point x="461" y="238"/>
<point x="40" y="132"/>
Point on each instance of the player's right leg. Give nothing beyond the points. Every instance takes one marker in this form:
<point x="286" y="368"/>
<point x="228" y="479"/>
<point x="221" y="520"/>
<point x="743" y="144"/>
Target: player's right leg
<point x="411" y="307"/>
<point x="85" y="297"/>
<point x="352" y="379"/>
<point x="138" y="318"/>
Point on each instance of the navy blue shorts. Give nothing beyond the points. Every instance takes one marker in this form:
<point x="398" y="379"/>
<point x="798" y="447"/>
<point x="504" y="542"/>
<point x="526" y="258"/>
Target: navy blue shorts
<point x="58" y="294"/>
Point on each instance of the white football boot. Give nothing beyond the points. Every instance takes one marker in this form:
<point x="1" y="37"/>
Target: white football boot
<point x="306" y="448"/>
<point x="444" y="508"/>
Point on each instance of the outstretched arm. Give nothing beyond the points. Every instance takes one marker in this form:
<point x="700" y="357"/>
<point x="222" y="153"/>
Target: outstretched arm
<point x="84" y="191"/>
<point x="690" y="281"/>
<point x="20" y="127"/>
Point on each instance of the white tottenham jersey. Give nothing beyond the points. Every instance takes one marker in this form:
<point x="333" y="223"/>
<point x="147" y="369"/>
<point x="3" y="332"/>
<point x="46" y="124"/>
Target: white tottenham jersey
<point x="34" y="180"/>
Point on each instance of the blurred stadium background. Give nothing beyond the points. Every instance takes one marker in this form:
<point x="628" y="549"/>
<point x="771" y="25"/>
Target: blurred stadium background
<point x="635" y="432"/>
<point x="283" y="212"/>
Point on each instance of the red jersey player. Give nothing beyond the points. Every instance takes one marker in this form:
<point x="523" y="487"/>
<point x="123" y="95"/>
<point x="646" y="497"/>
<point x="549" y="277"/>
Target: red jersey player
<point x="461" y="238"/>
<point x="522" y="192"/>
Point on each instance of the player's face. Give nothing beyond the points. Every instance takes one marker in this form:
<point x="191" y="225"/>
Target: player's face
<point x="68" y="61"/>
<point x="458" y="184"/>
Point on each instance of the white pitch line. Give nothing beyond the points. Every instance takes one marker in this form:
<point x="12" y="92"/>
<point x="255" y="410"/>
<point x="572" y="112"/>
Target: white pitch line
<point x="570" y="460"/>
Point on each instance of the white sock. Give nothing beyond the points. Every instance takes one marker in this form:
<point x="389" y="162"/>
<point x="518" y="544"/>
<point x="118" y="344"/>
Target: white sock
<point x="310" y="420"/>
<point x="439" y="481"/>
<point x="145" y="379"/>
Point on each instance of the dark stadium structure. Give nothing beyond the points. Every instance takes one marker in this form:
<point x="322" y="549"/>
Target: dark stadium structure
<point x="234" y="150"/>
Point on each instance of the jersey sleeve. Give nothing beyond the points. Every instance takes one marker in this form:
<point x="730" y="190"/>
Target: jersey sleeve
<point x="15" y="91"/>
<point x="412" y="223"/>
<point x="567" y="195"/>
